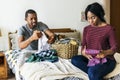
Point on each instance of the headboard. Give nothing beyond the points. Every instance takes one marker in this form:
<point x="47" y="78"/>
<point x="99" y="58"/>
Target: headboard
<point x="68" y="32"/>
<point x="62" y="30"/>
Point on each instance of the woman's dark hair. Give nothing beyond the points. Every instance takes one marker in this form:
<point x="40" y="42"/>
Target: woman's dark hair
<point x="96" y="9"/>
<point x="31" y="11"/>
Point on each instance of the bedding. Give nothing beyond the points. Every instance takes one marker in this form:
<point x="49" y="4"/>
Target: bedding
<point x="60" y="70"/>
<point x="47" y="70"/>
<point x="43" y="70"/>
<point x="15" y="59"/>
<point x="51" y="71"/>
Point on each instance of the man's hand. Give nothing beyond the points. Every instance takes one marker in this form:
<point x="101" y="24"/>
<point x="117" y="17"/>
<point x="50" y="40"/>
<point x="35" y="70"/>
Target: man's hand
<point x="51" y="40"/>
<point x="24" y="43"/>
<point x="36" y="35"/>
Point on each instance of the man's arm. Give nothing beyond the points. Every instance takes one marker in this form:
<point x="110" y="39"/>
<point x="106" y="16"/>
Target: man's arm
<point x="24" y="43"/>
<point x="51" y="36"/>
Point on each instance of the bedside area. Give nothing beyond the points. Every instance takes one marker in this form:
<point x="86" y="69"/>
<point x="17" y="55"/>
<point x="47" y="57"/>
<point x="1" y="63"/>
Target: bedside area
<point x="3" y="66"/>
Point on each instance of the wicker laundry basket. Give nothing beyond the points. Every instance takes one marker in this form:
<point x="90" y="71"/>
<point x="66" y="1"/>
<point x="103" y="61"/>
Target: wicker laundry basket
<point x="65" y="50"/>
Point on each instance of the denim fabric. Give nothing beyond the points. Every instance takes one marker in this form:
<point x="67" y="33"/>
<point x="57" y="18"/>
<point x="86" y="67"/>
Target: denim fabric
<point x="96" y="72"/>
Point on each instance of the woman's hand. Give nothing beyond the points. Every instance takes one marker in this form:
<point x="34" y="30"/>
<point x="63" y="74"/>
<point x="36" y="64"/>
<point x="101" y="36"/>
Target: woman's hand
<point x="101" y="54"/>
<point x="86" y="55"/>
<point x="105" y="53"/>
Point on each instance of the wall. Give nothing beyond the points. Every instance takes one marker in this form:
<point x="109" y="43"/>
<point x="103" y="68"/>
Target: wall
<point x="55" y="13"/>
<point x="106" y="5"/>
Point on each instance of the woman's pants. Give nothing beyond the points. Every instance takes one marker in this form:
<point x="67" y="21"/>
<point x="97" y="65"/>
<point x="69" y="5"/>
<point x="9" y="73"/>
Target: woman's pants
<point x="96" y="72"/>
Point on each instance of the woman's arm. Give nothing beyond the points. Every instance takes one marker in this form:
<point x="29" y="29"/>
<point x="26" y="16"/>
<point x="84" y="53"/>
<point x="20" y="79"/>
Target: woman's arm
<point x="84" y="54"/>
<point x="113" y="45"/>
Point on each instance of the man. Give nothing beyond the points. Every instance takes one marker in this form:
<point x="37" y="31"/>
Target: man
<point x="29" y="34"/>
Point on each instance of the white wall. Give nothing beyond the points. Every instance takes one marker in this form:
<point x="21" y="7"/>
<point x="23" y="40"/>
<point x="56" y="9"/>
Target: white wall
<point x="55" y="13"/>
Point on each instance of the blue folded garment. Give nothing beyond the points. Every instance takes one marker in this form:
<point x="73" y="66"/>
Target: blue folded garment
<point x="47" y="55"/>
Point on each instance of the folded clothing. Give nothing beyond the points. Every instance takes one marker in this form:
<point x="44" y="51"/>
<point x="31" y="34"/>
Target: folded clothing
<point x="92" y="51"/>
<point x="47" y="55"/>
<point x="95" y="60"/>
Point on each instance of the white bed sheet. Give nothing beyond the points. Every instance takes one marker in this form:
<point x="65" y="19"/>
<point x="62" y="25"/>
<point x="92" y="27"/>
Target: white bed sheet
<point x="51" y="71"/>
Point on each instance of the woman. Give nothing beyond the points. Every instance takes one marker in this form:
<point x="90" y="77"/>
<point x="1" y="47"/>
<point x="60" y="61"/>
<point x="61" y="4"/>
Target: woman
<point x="98" y="36"/>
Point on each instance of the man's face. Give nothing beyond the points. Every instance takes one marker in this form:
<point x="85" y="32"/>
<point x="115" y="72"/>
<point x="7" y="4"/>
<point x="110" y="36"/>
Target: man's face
<point x="31" y="20"/>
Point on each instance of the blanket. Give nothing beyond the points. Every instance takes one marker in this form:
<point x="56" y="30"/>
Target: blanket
<point x="51" y="71"/>
<point x="44" y="70"/>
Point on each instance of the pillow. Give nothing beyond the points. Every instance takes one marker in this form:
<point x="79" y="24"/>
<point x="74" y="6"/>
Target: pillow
<point x="117" y="57"/>
<point x="13" y="41"/>
<point x="116" y="71"/>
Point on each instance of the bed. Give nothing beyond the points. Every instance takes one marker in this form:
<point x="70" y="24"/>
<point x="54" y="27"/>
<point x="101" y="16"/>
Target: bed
<point x="60" y="70"/>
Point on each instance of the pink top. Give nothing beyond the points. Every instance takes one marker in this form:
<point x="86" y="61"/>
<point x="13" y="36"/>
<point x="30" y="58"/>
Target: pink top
<point x="99" y="38"/>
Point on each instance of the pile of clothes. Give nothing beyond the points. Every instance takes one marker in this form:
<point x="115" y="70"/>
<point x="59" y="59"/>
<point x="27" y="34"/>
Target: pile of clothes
<point x="46" y="55"/>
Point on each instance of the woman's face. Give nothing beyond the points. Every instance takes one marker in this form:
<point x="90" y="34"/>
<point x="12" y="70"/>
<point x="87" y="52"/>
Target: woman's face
<point x="31" y="20"/>
<point x="92" y="19"/>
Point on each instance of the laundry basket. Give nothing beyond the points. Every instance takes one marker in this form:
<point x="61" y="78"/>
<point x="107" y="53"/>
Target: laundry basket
<point x="65" y="50"/>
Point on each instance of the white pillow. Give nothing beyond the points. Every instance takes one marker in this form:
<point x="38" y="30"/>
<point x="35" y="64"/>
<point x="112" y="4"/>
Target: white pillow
<point x="14" y="40"/>
<point x="117" y="57"/>
<point x="116" y="71"/>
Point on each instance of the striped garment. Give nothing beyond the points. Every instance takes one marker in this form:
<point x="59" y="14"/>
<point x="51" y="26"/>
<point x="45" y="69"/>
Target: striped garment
<point x="99" y="38"/>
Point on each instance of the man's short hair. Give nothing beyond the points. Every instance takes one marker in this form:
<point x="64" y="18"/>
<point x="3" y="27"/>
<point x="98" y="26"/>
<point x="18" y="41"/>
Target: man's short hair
<point x="31" y="11"/>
